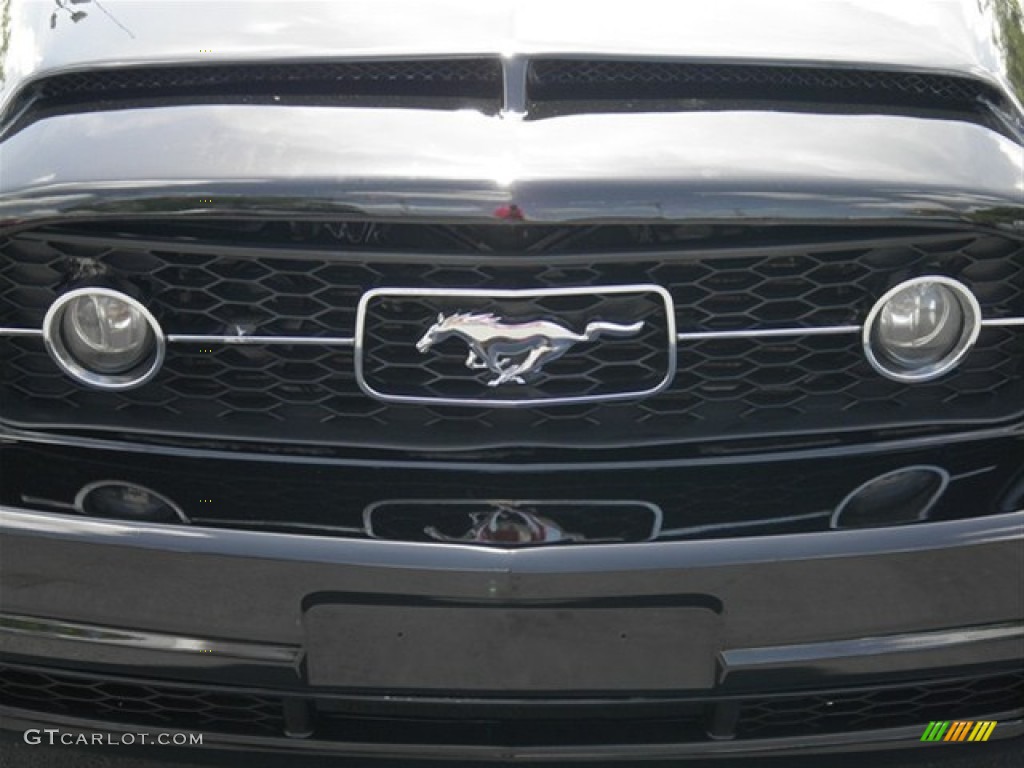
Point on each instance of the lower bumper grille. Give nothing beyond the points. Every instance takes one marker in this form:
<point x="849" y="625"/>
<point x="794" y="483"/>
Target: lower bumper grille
<point x="880" y="708"/>
<point x="493" y="723"/>
<point x="724" y="388"/>
<point x="162" y="706"/>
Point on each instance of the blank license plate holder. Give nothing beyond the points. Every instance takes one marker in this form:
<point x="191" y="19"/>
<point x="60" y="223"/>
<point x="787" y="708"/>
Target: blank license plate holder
<point x="503" y="649"/>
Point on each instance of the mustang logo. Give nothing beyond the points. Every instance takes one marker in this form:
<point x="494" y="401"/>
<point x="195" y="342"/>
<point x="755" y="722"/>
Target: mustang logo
<point x="514" y="351"/>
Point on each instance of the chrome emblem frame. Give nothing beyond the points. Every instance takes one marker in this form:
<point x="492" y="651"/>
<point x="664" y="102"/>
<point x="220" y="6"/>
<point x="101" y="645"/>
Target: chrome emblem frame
<point x="526" y="347"/>
<point x="534" y="519"/>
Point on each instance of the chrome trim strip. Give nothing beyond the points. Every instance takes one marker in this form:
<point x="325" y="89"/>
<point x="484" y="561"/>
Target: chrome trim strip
<point x="827" y="330"/>
<point x="52" y="629"/>
<point x="275" y="524"/>
<point x="670" y="341"/>
<point x="754" y="333"/>
<point x="1005" y="529"/>
<point x="793" y="655"/>
<point x="972" y="473"/>
<point x="514" y="73"/>
<point x="739" y="525"/>
<point x="39" y="501"/>
<point x="834" y="330"/>
<point x="325" y="341"/>
<point x="346" y="341"/>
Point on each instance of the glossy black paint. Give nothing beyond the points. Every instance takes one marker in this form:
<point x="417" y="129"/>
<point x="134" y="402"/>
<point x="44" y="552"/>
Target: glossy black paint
<point x="286" y="573"/>
<point x="825" y="570"/>
<point x="266" y="161"/>
<point x="764" y="598"/>
<point x="468" y="165"/>
<point x="280" y="555"/>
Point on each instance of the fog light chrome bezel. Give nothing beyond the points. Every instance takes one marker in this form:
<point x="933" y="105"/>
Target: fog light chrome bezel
<point x="67" y="362"/>
<point x="82" y="500"/>
<point x="941" y="475"/>
<point x="972" y="322"/>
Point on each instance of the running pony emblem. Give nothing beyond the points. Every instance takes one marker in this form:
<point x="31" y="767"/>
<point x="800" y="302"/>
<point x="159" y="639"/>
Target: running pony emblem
<point x="514" y="352"/>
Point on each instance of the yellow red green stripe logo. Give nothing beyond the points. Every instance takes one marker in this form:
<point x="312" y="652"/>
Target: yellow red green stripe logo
<point x="958" y="730"/>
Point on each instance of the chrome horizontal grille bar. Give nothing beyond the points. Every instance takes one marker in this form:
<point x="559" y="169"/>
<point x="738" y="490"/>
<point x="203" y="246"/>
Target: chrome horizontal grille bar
<point x="320" y="341"/>
<point x="350" y="341"/>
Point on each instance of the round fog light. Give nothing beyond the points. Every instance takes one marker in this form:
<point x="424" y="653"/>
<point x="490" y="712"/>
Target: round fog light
<point x="921" y="329"/>
<point x="104" y="338"/>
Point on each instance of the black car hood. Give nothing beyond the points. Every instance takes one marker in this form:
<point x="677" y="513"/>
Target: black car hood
<point x="758" y="163"/>
<point x="970" y="37"/>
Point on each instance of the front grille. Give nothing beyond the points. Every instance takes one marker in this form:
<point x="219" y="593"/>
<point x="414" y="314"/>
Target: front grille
<point x="467" y="722"/>
<point x="723" y="388"/>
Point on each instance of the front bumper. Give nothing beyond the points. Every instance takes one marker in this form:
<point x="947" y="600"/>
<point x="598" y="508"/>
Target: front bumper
<point x="784" y="642"/>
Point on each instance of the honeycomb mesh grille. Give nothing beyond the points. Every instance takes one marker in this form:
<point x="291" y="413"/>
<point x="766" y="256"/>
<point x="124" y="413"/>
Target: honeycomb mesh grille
<point x="881" y="707"/>
<point x="478" y="77"/>
<point x="587" y="79"/>
<point x="165" y="706"/>
<point x="548" y="80"/>
<point x="553" y="87"/>
<point x="447" y="84"/>
<point x="724" y="388"/>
